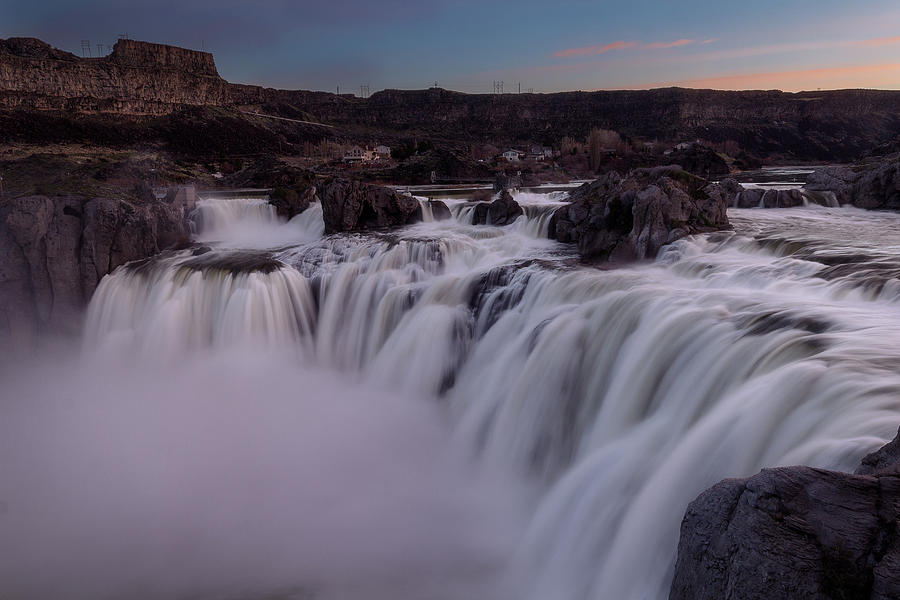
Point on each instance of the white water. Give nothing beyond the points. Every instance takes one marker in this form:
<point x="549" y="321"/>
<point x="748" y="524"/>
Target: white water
<point x="455" y="411"/>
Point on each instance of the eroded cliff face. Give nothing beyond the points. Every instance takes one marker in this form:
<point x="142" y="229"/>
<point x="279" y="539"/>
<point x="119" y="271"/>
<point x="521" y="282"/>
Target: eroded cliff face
<point x="55" y="250"/>
<point x="141" y="78"/>
<point x="136" y="78"/>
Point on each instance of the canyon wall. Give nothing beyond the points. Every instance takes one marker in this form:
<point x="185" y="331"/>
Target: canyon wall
<point x="136" y="78"/>
<point x="140" y="78"/>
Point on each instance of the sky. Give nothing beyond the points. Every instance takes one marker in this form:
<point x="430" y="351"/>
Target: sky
<point x="467" y="45"/>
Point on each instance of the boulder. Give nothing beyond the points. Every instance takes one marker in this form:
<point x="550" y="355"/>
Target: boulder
<point x="289" y="202"/>
<point x="878" y="187"/>
<point x="439" y="210"/>
<point x="502" y="211"/>
<point x="355" y="206"/>
<point x="55" y="251"/>
<point x="795" y="532"/>
<point x="622" y="219"/>
<point x="872" y="185"/>
<point x="700" y="160"/>
<point x="838" y="180"/>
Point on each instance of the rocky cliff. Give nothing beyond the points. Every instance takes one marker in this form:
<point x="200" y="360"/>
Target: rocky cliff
<point x="55" y="250"/>
<point x="795" y="533"/>
<point x="140" y="78"/>
<point x="136" y="78"/>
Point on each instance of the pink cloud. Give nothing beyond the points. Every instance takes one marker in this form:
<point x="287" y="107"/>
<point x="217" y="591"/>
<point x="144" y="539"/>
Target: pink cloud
<point x="885" y="41"/>
<point x="622" y="45"/>
<point x="592" y="50"/>
<point x="675" y="44"/>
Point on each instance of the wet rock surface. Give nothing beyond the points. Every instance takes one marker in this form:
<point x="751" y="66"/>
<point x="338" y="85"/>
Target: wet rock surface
<point x="873" y="185"/>
<point x="355" y="206"/>
<point x="795" y="532"/>
<point x="633" y="217"/>
<point x="289" y="203"/>
<point x="502" y="211"/>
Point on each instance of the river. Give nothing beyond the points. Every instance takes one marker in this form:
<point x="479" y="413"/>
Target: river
<point x="442" y="411"/>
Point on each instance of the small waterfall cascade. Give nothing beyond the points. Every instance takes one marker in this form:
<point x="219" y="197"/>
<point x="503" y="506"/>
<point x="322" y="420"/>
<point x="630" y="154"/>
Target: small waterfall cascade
<point x="253" y="223"/>
<point x="216" y="214"/>
<point x="614" y="396"/>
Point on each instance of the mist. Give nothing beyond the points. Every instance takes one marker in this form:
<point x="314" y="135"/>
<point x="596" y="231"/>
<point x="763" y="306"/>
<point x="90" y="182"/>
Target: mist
<point x="238" y="472"/>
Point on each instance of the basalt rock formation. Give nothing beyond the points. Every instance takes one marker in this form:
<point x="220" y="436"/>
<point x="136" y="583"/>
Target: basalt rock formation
<point x="873" y="185"/>
<point x="795" y="533"/>
<point x="56" y="249"/>
<point x="700" y="160"/>
<point x="136" y="78"/>
<point x="622" y="219"/>
<point x="140" y="79"/>
<point x="502" y="211"/>
<point x="289" y="202"/>
<point x="355" y="206"/>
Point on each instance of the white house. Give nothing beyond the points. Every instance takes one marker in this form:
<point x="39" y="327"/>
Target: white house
<point x="511" y="155"/>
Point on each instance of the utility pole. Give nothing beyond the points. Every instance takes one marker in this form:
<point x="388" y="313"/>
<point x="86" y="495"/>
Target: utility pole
<point x="85" y="48"/>
<point x="338" y="90"/>
<point x="520" y="87"/>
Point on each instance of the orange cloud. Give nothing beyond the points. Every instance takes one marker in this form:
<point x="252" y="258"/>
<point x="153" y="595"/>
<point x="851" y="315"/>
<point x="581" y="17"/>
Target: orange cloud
<point x="592" y="50"/>
<point x="885" y="75"/>
<point x="885" y="41"/>
<point x="675" y="44"/>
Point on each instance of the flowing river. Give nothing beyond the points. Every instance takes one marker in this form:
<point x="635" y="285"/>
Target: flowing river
<point x="443" y="411"/>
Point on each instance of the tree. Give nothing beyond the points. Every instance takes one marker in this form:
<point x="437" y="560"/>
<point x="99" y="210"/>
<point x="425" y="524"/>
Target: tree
<point x="599" y="142"/>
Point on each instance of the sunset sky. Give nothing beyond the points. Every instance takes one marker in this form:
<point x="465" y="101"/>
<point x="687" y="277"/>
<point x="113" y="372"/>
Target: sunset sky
<point x="466" y="45"/>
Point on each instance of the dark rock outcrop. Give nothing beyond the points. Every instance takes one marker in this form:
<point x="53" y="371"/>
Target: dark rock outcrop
<point x="355" y="206"/>
<point x="289" y="202"/>
<point x="502" y="211"/>
<point x="622" y="219"/>
<point x="793" y="533"/>
<point x="439" y="210"/>
<point x="54" y="251"/>
<point x="700" y="160"/>
<point x="871" y="185"/>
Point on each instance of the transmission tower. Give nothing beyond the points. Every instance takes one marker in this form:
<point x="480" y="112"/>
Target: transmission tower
<point x="364" y="91"/>
<point x="85" y="48"/>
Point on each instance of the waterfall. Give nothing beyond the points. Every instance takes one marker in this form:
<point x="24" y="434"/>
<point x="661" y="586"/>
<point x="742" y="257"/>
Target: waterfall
<point x="253" y="223"/>
<point x="596" y="403"/>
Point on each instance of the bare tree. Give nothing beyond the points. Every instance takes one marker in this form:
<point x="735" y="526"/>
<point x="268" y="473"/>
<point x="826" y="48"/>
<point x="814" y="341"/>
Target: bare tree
<point x="599" y="142"/>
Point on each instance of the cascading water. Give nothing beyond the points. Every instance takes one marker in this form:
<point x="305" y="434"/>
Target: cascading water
<point x="559" y="417"/>
<point x="253" y="223"/>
